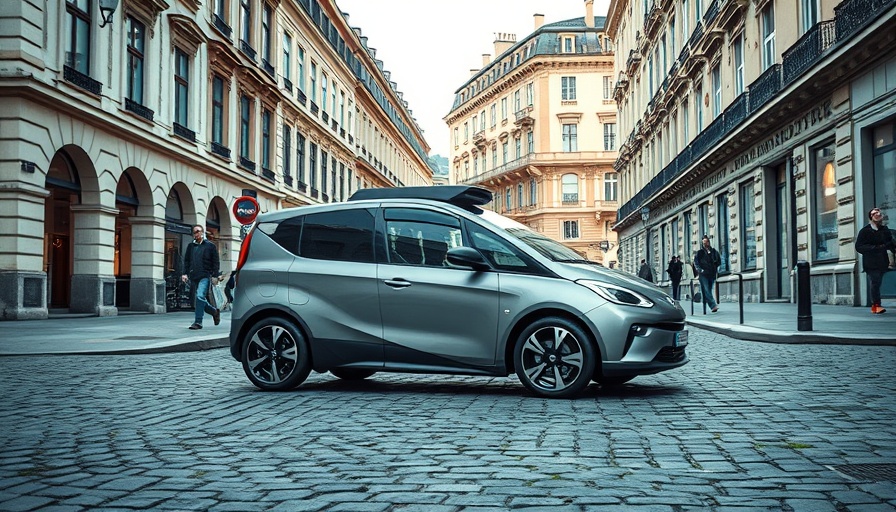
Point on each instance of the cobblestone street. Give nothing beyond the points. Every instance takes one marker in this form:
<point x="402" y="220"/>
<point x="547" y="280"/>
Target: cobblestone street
<point x="744" y="426"/>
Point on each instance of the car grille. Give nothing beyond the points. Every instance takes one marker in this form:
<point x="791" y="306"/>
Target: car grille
<point x="670" y="355"/>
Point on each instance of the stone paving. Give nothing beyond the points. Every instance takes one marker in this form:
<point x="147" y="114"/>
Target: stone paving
<point x="745" y="426"/>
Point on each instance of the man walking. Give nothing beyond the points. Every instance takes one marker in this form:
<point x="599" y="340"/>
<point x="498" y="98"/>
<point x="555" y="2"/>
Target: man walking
<point x="707" y="262"/>
<point x="873" y="242"/>
<point x="675" y="271"/>
<point x="644" y="272"/>
<point x="200" y="264"/>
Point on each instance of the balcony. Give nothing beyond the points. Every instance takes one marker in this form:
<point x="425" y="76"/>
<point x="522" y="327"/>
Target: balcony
<point x="807" y="50"/>
<point x="634" y="60"/>
<point x="268" y="174"/>
<point x="287" y="84"/>
<point x="301" y="97"/>
<point x="138" y="109"/>
<point x="247" y="164"/>
<point x="268" y="68"/>
<point x="325" y="117"/>
<point x="652" y="21"/>
<point x="765" y="87"/>
<point x="711" y="13"/>
<point x="523" y="117"/>
<point x="247" y="49"/>
<point x="571" y="199"/>
<point x="184" y="132"/>
<point x="287" y="180"/>
<point x="315" y="109"/>
<point x="852" y="15"/>
<point x="222" y="26"/>
<point x="334" y="125"/>
<point x="81" y="80"/>
<point x="221" y="150"/>
<point x="342" y="132"/>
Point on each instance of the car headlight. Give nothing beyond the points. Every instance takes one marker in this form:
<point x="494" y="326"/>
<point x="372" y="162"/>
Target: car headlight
<point x="617" y="294"/>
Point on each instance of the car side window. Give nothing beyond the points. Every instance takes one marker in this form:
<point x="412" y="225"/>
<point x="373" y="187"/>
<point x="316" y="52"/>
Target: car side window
<point x="501" y="254"/>
<point x="420" y="237"/>
<point x="343" y="235"/>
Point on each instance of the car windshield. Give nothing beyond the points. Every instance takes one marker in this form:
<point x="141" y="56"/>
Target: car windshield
<point x="545" y="246"/>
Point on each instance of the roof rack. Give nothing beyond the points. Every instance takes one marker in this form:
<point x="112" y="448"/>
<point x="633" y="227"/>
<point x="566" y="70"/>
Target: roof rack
<point x="465" y="197"/>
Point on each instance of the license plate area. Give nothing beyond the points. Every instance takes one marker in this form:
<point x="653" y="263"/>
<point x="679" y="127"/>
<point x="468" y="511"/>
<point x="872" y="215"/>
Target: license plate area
<point x="681" y="339"/>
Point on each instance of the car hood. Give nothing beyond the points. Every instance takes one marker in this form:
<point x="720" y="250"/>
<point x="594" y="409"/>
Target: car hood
<point x="576" y="271"/>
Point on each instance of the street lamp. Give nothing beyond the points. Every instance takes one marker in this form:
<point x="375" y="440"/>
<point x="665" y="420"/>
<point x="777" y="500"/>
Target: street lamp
<point x="107" y="9"/>
<point x="645" y="215"/>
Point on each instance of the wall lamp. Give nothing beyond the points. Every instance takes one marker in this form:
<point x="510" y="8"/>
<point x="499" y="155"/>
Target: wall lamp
<point x="107" y="9"/>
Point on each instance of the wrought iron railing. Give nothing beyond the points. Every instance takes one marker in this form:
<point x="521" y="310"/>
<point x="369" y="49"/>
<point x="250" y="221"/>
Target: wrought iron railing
<point x="268" y="68"/>
<point x="851" y="15"/>
<point x="765" y="87"/>
<point x="570" y="199"/>
<point x="184" y="132"/>
<point x="807" y="50"/>
<point x="301" y="97"/>
<point x="81" y="80"/>
<point x="287" y="84"/>
<point x="287" y="179"/>
<point x="737" y="111"/>
<point x="711" y="13"/>
<point x="221" y="25"/>
<point x="221" y="150"/>
<point x="267" y="174"/>
<point x="246" y="48"/>
<point x="314" y="108"/>
<point x="132" y="106"/>
<point x="325" y="117"/>
<point x="246" y="163"/>
<point x="696" y="34"/>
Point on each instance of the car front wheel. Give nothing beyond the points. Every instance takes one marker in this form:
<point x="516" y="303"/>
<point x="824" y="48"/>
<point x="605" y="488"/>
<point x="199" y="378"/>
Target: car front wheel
<point x="554" y="358"/>
<point x="275" y="355"/>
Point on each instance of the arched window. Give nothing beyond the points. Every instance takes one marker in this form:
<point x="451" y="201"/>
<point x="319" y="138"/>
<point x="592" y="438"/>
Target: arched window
<point x="570" y="184"/>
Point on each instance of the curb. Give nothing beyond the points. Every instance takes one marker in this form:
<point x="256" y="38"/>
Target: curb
<point x="747" y="333"/>
<point x="166" y="347"/>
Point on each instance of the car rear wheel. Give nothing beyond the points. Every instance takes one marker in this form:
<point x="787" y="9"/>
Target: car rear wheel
<point x="351" y="373"/>
<point x="275" y="355"/>
<point x="554" y="358"/>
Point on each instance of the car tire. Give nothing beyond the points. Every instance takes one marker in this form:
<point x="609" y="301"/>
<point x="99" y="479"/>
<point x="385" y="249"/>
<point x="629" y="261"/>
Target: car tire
<point x="617" y="380"/>
<point x="351" y="373"/>
<point x="275" y="355"/>
<point x="554" y="358"/>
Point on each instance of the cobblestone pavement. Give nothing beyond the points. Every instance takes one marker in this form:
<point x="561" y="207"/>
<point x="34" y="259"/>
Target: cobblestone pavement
<point x="745" y="426"/>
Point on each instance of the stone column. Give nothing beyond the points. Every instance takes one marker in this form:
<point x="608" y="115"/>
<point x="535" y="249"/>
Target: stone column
<point x="23" y="279"/>
<point x="148" y="264"/>
<point x="93" y="279"/>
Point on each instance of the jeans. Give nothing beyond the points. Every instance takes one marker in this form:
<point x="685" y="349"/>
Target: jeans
<point x="676" y="290"/>
<point x="706" y="285"/>
<point x="874" y="279"/>
<point x="202" y="305"/>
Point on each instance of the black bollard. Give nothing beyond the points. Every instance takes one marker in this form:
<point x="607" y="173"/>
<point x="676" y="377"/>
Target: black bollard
<point x="804" y="297"/>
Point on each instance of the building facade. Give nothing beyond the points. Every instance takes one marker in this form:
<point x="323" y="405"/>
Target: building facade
<point x="767" y="125"/>
<point x="536" y="125"/>
<point x="119" y="134"/>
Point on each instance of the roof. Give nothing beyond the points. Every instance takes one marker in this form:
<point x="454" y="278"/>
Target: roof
<point x="459" y="195"/>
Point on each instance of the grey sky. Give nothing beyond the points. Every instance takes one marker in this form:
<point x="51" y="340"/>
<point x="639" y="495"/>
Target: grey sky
<point x="430" y="46"/>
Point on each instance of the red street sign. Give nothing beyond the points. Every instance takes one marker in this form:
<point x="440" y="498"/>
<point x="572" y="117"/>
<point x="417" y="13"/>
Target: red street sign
<point x="245" y="209"/>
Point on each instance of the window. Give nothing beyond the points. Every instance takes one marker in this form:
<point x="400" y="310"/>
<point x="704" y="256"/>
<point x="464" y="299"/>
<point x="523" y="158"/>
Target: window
<point x="685" y="122"/>
<point x="748" y="219"/>
<point x="312" y="166"/>
<point x="685" y="14"/>
<point x="345" y="235"/>
<point x="519" y="194"/>
<point x="77" y="26"/>
<point x="136" y="44"/>
<point x="497" y="251"/>
<point x="342" y="108"/>
<point x="245" y="126"/>
<point x="265" y="139"/>
<point x="768" y="36"/>
<point x="494" y="156"/>
<point x="530" y="142"/>
<point x="518" y="146"/>
<point x="702" y="221"/>
<point x="475" y="122"/>
<point x="466" y="132"/>
<point x="610" y="137"/>
<point x="533" y="191"/>
<point x="698" y="108"/>
<point x="504" y="152"/>
<point x="420" y="237"/>
<point x="246" y="21"/>
<point x="611" y="184"/>
<point x="221" y="9"/>
<point x="287" y="149"/>
<point x="570" y="144"/>
<point x="826" y="232"/>
<point x="456" y="137"/>
<point x="181" y="87"/>
<point x="570" y="229"/>
<point x="738" y="50"/>
<point x="716" y="91"/>
<point x="722" y="232"/>
<point x="287" y="60"/>
<point x="266" y="34"/>
<point x="300" y="64"/>
<point x="313" y="82"/>
<point x="809" y="13"/>
<point x="503" y="108"/>
<point x="508" y="198"/>
<point x="608" y="87"/>
<point x="517" y="102"/>
<point x="674" y="229"/>
<point x="568" y="44"/>
<point x="324" y="157"/>
<point x="688" y="247"/>
<point x="300" y="158"/>
<point x="570" y="188"/>
<point x="323" y="91"/>
<point x="530" y="94"/>
<point x="482" y="121"/>
<point x="568" y="88"/>
<point x="218" y="110"/>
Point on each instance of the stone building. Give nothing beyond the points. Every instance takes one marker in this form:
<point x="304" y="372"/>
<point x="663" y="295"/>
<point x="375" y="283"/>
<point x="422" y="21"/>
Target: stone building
<point x="120" y="131"/>
<point x="536" y="125"/>
<point x="767" y="125"/>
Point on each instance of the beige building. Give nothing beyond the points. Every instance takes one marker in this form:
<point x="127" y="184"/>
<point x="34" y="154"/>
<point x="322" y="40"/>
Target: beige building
<point x="537" y="126"/>
<point x="767" y="125"/>
<point x="118" y="134"/>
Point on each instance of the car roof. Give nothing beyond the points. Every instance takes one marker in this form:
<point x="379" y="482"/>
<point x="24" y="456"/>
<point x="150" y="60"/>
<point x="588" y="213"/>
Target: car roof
<point x="459" y="195"/>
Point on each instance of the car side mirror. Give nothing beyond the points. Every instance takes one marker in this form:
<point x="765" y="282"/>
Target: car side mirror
<point x="467" y="257"/>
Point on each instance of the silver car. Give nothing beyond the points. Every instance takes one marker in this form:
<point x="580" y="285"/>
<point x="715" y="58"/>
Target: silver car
<point x="423" y="280"/>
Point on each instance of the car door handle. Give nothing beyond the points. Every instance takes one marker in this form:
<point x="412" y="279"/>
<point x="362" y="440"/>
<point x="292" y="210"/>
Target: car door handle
<point x="397" y="283"/>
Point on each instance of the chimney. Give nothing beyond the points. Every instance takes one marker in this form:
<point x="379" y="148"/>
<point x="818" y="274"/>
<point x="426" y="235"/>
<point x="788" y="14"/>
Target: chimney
<point x="589" y="13"/>
<point x="539" y="20"/>
<point x="486" y="58"/>
<point x="503" y="41"/>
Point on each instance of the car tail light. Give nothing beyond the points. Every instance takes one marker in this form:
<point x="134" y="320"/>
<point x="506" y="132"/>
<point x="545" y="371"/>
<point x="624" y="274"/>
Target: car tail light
<point x="244" y="250"/>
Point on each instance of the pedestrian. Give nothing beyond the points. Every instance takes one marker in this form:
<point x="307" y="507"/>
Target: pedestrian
<point x="675" y="271"/>
<point x="228" y="288"/>
<point x="873" y="243"/>
<point x="707" y="262"/>
<point x="644" y="272"/>
<point x="200" y="264"/>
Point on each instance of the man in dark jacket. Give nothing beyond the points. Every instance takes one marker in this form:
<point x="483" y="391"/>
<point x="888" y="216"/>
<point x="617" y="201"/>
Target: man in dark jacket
<point x="707" y="262"/>
<point x="675" y="272"/>
<point x="200" y="264"/>
<point x="644" y="272"/>
<point x="873" y="242"/>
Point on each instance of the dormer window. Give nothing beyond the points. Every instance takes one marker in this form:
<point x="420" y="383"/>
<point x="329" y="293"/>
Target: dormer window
<point x="569" y="44"/>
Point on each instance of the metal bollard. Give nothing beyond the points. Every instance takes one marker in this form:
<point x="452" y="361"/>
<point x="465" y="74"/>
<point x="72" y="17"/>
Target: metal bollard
<point x="804" y="297"/>
<point x="740" y="296"/>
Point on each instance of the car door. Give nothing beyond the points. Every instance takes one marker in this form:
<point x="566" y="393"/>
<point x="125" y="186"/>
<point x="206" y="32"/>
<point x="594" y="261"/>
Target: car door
<point x="433" y="315"/>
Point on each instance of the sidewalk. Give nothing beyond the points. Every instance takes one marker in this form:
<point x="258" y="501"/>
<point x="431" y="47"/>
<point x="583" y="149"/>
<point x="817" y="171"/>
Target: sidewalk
<point x="147" y="334"/>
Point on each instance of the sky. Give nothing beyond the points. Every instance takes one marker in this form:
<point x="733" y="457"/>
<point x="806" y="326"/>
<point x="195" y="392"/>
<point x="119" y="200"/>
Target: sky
<point x="430" y="46"/>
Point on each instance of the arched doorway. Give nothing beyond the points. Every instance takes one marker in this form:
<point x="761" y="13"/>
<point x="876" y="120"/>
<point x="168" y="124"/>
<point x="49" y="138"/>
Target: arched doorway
<point x="126" y="202"/>
<point x="65" y="190"/>
<point x="177" y="236"/>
